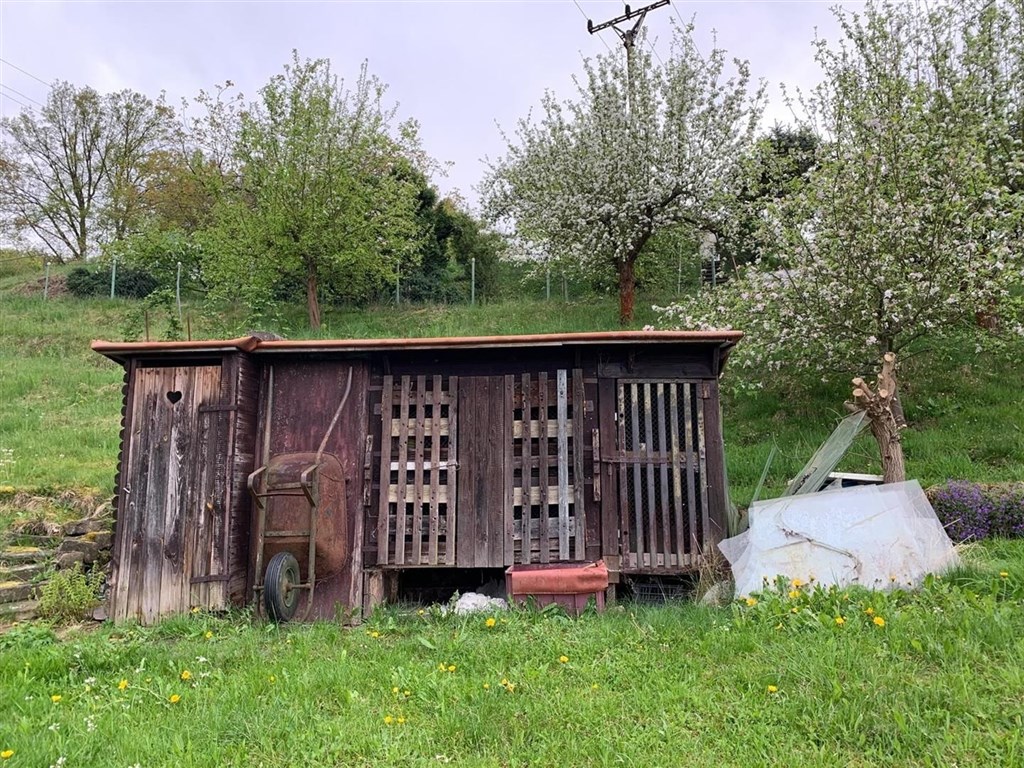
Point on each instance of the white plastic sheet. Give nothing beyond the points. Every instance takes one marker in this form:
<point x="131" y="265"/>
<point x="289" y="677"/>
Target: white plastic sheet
<point x="879" y="537"/>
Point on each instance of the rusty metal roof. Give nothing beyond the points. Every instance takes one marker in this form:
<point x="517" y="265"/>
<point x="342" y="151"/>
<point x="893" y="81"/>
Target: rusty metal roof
<point x="121" y="351"/>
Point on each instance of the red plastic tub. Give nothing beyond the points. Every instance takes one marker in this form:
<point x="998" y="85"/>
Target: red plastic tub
<point x="571" y="585"/>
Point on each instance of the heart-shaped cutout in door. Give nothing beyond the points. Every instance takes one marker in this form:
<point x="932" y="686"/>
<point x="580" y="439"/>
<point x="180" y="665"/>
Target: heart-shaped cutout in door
<point x="174" y="396"/>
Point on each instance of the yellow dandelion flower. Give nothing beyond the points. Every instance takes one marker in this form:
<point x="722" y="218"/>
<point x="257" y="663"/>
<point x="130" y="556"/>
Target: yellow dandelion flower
<point x="208" y="634"/>
<point x="487" y="686"/>
<point x="510" y="687"/>
<point x="563" y="659"/>
<point x="797" y="583"/>
<point x="869" y="611"/>
<point x="122" y="685"/>
<point x="773" y="689"/>
<point x="794" y="609"/>
<point x="400" y="720"/>
<point x="388" y="719"/>
<point x="840" y="620"/>
<point x="272" y="679"/>
<point x="421" y="612"/>
<point x="56" y="698"/>
<point x="878" y="621"/>
<point x="504" y="681"/>
<point x="375" y="633"/>
<point x="490" y="622"/>
<point x="407" y="693"/>
<point x="1004" y="575"/>
<point x="451" y="667"/>
<point x="794" y="593"/>
<point x="594" y="687"/>
<point x="195" y="609"/>
<point x="7" y="754"/>
<point x="186" y="675"/>
<point x="751" y="602"/>
<point x="174" y="698"/>
<point x="395" y="689"/>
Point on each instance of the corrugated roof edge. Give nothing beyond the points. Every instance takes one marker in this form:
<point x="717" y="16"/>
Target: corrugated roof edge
<point x="120" y="351"/>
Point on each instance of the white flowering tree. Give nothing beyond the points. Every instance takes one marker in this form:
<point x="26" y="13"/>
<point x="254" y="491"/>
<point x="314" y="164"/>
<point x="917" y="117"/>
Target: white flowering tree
<point x="911" y="223"/>
<point x="641" y="148"/>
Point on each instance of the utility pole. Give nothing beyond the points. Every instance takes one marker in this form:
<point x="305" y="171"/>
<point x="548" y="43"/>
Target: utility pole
<point x="628" y="38"/>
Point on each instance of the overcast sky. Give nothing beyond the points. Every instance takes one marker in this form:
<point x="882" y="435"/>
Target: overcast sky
<point x="459" y="67"/>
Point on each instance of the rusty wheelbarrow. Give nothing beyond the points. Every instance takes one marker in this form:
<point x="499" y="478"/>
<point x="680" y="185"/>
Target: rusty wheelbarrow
<point x="298" y="497"/>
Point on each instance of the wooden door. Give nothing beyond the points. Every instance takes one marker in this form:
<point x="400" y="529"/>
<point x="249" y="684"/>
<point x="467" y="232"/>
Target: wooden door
<point x="662" y="462"/>
<point x="172" y="530"/>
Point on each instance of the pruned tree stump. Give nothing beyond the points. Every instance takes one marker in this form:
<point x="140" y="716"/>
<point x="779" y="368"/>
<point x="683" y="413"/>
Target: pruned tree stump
<point x="885" y="414"/>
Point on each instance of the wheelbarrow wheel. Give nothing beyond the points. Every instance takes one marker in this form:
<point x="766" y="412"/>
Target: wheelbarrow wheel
<point x="280" y="586"/>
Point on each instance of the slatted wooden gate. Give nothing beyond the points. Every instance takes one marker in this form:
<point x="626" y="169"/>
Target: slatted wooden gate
<point x="663" y="494"/>
<point x="544" y="469"/>
<point x="517" y="470"/>
<point x="417" y="513"/>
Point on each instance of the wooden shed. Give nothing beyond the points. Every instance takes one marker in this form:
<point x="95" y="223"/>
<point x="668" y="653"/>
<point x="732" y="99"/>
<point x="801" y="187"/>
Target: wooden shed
<point x="408" y="458"/>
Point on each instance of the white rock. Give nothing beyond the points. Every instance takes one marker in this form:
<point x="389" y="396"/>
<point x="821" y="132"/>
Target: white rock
<point x="474" y="602"/>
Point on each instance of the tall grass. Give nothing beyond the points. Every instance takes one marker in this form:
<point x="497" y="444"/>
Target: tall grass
<point x="780" y="683"/>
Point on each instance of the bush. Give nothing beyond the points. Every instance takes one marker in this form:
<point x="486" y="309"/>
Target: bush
<point x="70" y="595"/>
<point x="130" y="283"/>
<point x="971" y="512"/>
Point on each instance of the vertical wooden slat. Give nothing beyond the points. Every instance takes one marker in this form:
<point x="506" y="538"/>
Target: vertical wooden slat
<point x="562" y="427"/>
<point x="403" y="461"/>
<point x="492" y="490"/>
<point x="451" y="514"/>
<point x="704" y="480"/>
<point x="612" y="503"/>
<point x="691" y="494"/>
<point x="508" y="511"/>
<point x="435" y="472"/>
<point x="157" y="502"/>
<point x="677" y="483"/>
<point x="143" y="408"/>
<point x="543" y="535"/>
<point x="416" y="553"/>
<point x="387" y="442"/>
<point x="718" y="501"/>
<point x="652" y="499"/>
<point x="626" y="523"/>
<point x="638" y="507"/>
<point x="526" y="480"/>
<point x="663" y="498"/>
<point x="578" y="484"/>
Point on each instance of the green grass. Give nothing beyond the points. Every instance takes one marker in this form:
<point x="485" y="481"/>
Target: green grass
<point x="940" y="684"/>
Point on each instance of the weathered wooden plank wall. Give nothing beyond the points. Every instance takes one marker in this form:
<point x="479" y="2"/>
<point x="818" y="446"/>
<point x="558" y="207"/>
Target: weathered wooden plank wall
<point x="306" y="394"/>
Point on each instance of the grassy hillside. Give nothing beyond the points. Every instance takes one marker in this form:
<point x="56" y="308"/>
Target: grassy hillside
<point x="60" y="403"/>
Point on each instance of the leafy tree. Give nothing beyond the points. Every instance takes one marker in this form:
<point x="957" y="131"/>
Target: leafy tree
<point x="910" y="224"/>
<point x="324" y="201"/>
<point x="71" y="172"/>
<point x="640" y="149"/>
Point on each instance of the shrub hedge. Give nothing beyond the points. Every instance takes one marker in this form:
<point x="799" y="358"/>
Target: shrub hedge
<point x="971" y="511"/>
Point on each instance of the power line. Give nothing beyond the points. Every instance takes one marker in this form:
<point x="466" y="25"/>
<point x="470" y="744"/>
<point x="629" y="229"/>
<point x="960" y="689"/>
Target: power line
<point x="23" y="95"/>
<point x="26" y="72"/>
<point x="588" y="21"/>
<point x="16" y="101"/>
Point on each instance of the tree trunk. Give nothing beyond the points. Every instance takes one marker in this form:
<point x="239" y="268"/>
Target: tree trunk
<point x="886" y="418"/>
<point x="312" y="299"/>
<point x="627" y="291"/>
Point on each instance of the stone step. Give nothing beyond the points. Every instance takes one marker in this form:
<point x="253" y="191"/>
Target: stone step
<point x="16" y="591"/>
<point x="23" y="572"/>
<point x="15" y="555"/>
<point x="20" y="611"/>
